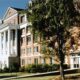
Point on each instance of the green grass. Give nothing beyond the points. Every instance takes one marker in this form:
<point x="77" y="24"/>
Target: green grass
<point x="52" y="77"/>
<point x="38" y="78"/>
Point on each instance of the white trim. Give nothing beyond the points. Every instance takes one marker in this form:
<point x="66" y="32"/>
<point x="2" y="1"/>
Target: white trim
<point x="6" y="28"/>
<point x="24" y="25"/>
<point x="11" y="17"/>
<point x="7" y="12"/>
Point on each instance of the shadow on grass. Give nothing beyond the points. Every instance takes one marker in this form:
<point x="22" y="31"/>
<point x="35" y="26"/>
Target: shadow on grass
<point x="68" y="78"/>
<point x="7" y="76"/>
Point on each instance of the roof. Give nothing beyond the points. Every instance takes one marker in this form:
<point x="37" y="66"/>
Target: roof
<point x="18" y="9"/>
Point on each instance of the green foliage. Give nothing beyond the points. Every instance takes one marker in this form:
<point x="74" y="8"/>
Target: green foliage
<point x="53" y="18"/>
<point x="6" y="69"/>
<point x="14" y="67"/>
<point x="33" y="68"/>
<point x="22" y="69"/>
<point x="1" y="70"/>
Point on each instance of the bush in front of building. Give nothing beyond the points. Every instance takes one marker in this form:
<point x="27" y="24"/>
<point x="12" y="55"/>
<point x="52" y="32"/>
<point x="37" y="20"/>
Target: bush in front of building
<point x="6" y="69"/>
<point x="38" y="68"/>
<point x="1" y="70"/>
<point x="65" y="66"/>
<point x="22" y="69"/>
<point x="14" y="67"/>
<point x="33" y="68"/>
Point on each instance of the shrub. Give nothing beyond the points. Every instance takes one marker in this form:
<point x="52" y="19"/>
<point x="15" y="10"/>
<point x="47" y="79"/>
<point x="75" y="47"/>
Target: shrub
<point x="1" y="70"/>
<point x="6" y="69"/>
<point x="65" y="66"/>
<point x="53" y="67"/>
<point x="22" y="69"/>
<point x="33" y="68"/>
<point x="14" y="67"/>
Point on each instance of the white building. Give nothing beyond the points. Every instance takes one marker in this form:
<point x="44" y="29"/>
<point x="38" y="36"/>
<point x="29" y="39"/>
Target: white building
<point x="9" y="38"/>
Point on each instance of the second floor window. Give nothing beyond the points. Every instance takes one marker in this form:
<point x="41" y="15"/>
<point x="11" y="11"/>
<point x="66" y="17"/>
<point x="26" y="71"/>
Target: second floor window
<point x="22" y="40"/>
<point x="28" y="28"/>
<point x="29" y="50"/>
<point x="28" y="39"/>
<point x="36" y="60"/>
<point x="23" y="61"/>
<point x="22" y="51"/>
<point x="36" y="49"/>
<point x="22" y="19"/>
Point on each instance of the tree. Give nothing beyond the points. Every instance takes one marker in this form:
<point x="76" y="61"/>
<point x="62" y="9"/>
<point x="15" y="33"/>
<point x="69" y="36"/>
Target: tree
<point x="51" y="19"/>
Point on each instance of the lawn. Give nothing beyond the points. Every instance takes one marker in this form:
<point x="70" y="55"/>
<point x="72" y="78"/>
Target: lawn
<point x="52" y="77"/>
<point x="38" y="78"/>
<point x="73" y="76"/>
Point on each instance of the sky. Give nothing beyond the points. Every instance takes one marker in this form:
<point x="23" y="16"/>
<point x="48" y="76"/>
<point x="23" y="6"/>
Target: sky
<point x="4" y="4"/>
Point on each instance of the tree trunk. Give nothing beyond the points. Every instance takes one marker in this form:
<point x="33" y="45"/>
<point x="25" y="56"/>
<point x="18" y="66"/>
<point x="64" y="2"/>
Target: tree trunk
<point x="62" y="71"/>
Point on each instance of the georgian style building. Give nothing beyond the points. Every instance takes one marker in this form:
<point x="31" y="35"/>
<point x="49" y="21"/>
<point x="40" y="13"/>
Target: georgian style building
<point x="19" y="45"/>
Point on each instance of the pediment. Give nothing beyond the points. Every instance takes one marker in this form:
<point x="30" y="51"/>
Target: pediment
<point x="9" y="12"/>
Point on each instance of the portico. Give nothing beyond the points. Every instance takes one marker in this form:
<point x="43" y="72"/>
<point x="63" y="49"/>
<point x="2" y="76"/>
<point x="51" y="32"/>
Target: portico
<point x="8" y="43"/>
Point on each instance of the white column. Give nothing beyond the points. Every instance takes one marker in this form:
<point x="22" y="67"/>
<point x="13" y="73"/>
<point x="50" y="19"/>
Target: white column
<point x="71" y="62"/>
<point x="16" y="39"/>
<point x="79" y="61"/>
<point x="4" y="43"/>
<point x="9" y="42"/>
<point x="0" y="43"/>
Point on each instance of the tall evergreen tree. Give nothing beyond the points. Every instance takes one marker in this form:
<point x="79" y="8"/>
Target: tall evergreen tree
<point x="52" y="19"/>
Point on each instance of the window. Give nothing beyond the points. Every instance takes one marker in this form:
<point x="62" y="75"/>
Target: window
<point x="51" y="60"/>
<point x="43" y="61"/>
<point x="28" y="50"/>
<point x="79" y="54"/>
<point x="22" y="19"/>
<point x="73" y="54"/>
<point x="36" y="60"/>
<point x="22" y="40"/>
<point x="28" y="29"/>
<point x="74" y="59"/>
<point x="29" y="61"/>
<point x="76" y="65"/>
<point x="22" y="51"/>
<point x="35" y="37"/>
<point x="23" y="61"/>
<point x="28" y="39"/>
<point x="36" y="49"/>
